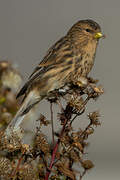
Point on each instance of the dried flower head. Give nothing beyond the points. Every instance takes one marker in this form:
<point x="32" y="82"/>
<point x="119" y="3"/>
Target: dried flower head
<point x="94" y="118"/>
<point x="43" y="120"/>
<point x="12" y="144"/>
<point x="4" y="65"/>
<point x="96" y="91"/>
<point x="87" y="164"/>
<point x="5" y="168"/>
<point x="10" y="77"/>
<point x="28" y="172"/>
<point x="76" y="102"/>
<point x="41" y="144"/>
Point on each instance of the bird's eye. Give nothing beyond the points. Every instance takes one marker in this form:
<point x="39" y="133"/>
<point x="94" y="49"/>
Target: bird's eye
<point x="88" y="30"/>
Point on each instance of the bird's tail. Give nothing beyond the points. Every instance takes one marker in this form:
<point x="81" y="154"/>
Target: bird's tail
<point x="32" y="99"/>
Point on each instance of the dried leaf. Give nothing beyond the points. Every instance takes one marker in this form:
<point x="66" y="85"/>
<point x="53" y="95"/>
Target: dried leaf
<point x="64" y="169"/>
<point x="74" y="156"/>
<point x="89" y="131"/>
<point x="78" y="145"/>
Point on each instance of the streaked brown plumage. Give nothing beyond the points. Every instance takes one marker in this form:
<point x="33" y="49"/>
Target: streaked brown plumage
<point x="66" y="61"/>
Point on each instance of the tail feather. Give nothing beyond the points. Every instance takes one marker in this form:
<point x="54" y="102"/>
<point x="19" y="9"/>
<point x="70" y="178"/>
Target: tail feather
<point x="32" y="98"/>
<point x="22" y="91"/>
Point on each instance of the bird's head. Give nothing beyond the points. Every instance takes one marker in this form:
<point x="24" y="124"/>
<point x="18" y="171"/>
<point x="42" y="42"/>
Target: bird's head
<point x="86" y="30"/>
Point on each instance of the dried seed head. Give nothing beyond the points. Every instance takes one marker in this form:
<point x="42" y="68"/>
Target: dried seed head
<point x="5" y="168"/>
<point x="43" y="120"/>
<point x="87" y="164"/>
<point x="11" y="144"/>
<point x="94" y="118"/>
<point x="6" y="117"/>
<point x="10" y="77"/>
<point x="76" y="102"/>
<point x="41" y="143"/>
<point x="97" y="91"/>
<point x="28" y="172"/>
<point x="4" y="65"/>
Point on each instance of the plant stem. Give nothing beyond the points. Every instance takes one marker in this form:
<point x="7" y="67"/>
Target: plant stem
<point x="53" y="140"/>
<point x="54" y="151"/>
<point x="18" y="165"/>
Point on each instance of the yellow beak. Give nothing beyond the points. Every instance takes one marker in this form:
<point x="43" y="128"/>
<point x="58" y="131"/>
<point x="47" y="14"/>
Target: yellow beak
<point x="98" y="35"/>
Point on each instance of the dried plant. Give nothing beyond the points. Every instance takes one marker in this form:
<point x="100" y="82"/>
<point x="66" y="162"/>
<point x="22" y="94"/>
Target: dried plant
<point x="45" y="160"/>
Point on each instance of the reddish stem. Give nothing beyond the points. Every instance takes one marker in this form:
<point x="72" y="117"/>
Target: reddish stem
<point x="18" y="165"/>
<point x="54" y="151"/>
<point x="52" y="160"/>
<point x="53" y="140"/>
<point x="68" y="117"/>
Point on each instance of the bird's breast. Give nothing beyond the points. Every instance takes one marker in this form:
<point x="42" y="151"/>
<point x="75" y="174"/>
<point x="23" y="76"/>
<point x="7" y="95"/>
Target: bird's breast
<point x="84" y="67"/>
<point x="84" y="62"/>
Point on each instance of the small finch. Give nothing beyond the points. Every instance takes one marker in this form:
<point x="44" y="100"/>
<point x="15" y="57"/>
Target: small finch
<point x="69" y="59"/>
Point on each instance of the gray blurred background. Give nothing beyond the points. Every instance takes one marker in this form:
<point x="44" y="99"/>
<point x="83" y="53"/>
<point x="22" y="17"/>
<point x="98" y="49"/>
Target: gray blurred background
<point x="29" y="27"/>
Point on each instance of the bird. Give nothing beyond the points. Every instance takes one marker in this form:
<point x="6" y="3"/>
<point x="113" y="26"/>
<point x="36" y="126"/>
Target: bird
<point x="69" y="59"/>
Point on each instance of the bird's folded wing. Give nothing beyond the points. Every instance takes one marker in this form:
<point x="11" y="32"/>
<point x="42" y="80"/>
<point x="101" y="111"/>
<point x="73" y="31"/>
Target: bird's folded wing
<point x="52" y="56"/>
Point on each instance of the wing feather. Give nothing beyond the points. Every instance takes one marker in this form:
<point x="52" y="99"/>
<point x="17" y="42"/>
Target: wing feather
<point x="52" y="58"/>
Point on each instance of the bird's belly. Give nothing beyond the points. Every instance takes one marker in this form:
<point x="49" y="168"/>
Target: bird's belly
<point x="54" y="79"/>
<point x="81" y="70"/>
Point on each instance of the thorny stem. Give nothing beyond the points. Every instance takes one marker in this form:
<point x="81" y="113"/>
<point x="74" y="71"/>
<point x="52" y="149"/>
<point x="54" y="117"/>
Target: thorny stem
<point x="53" y="140"/>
